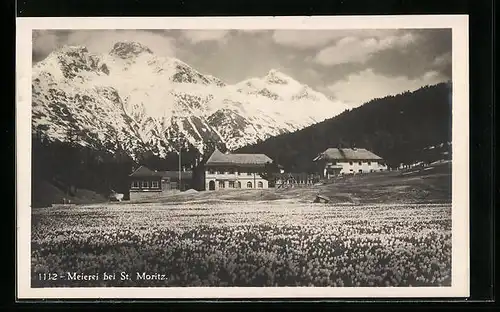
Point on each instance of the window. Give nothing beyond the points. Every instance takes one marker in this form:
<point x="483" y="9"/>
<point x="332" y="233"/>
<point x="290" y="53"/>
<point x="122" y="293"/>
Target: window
<point x="351" y="170"/>
<point x="369" y="163"/>
<point x="221" y="184"/>
<point x="239" y="173"/>
<point x="360" y="171"/>
<point x="238" y="185"/>
<point x="211" y="171"/>
<point x="260" y="184"/>
<point x="145" y="184"/>
<point x="211" y="185"/>
<point x="249" y="185"/>
<point x="154" y="184"/>
<point x="360" y="163"/>
<point x="350" y="163"/>
<point x="231" y="184"/>
<point x="135" y="184"/>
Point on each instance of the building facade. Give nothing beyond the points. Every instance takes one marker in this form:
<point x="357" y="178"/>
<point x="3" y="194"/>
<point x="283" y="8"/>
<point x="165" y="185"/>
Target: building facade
<point x="235" y="171"/>
<point x="147" y="183"/>
<point x="338" y="161"/>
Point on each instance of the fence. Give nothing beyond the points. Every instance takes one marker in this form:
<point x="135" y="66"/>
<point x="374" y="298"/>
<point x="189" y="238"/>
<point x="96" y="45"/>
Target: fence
<point x="296" y="179"/>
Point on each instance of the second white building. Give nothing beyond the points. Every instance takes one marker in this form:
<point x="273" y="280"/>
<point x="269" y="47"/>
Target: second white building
<point x="335" y="161"/>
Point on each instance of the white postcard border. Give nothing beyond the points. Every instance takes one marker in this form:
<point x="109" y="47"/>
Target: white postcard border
<point x="460" y="150"/>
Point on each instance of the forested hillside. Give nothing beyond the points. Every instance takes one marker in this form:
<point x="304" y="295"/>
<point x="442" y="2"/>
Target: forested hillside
<point x="406" y="128"/>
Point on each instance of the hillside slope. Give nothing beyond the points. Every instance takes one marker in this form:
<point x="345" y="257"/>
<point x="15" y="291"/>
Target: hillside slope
<point x="46" y="193"/>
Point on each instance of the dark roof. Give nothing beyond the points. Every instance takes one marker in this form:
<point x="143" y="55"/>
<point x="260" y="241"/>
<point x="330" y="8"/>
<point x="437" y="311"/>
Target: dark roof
<point x="347" y="154"/>
<point x="144" y="171"/>
<point x="219" y="158"/>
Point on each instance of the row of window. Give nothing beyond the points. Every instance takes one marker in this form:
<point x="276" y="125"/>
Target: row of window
<point x="146" y="184"/>
<point x="351" y="163"/>
<point x="361" y="171"/>
<point x="230" y="171"/>
<point x="233" y="184"/>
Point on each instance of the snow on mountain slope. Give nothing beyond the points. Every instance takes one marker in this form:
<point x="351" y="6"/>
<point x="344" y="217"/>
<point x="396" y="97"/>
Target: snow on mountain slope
<point x="135" y="99"/>
<point x="302" y="104"/>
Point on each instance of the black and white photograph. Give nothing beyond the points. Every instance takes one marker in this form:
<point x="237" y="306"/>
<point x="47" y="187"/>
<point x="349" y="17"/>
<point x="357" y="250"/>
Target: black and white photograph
<point x="245" y="157"/>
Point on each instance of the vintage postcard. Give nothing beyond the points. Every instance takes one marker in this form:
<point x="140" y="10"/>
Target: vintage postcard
<point x="243" y="157"/>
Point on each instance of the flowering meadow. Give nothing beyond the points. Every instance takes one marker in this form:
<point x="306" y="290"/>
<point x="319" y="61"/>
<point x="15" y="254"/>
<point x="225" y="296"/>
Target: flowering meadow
<point x="242" y="244"/>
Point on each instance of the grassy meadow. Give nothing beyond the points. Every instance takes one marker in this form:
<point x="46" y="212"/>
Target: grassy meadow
<point x="384" y="229"/>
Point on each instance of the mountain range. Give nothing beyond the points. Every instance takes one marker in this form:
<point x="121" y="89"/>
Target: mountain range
<point x="133" y="100"/>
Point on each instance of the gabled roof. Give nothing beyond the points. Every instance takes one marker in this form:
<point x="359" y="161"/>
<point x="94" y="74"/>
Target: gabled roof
<point x="144" y="171"/>
<point x="219" y="158"/>
<point x="347" y="154"/>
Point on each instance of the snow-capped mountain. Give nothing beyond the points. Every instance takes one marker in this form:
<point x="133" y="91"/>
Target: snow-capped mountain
<point x="135" y="99"/>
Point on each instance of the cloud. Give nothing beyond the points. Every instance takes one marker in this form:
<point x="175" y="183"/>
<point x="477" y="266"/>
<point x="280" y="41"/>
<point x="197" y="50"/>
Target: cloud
<point x="303" y="39"/>
<point x="44" y="42"/>
<point x="311" y="73"/>
<point x="442" y="60"/>
<point x="356" y="50"/>
<point x="101" y="41"/>
<point x="197" y="36"/>
<point x="366" y="85"/>
<point x="104" y="40"/>
<point x="306" y="39"/>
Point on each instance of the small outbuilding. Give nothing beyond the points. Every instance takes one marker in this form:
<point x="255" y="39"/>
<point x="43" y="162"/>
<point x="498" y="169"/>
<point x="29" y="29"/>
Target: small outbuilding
<point x="147" y="183"/>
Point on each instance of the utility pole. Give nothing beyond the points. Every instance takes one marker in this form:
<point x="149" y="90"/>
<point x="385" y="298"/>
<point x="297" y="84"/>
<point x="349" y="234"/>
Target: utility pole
<point x="180" y="167"/>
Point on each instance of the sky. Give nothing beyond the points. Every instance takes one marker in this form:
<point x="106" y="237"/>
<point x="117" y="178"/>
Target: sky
<point x="353" y="66"/>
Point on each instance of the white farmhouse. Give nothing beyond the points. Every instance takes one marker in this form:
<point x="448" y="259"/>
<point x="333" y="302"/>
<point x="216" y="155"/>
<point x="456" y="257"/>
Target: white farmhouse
<point x="228" y="171"/>
<point x="335" y="161"/>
